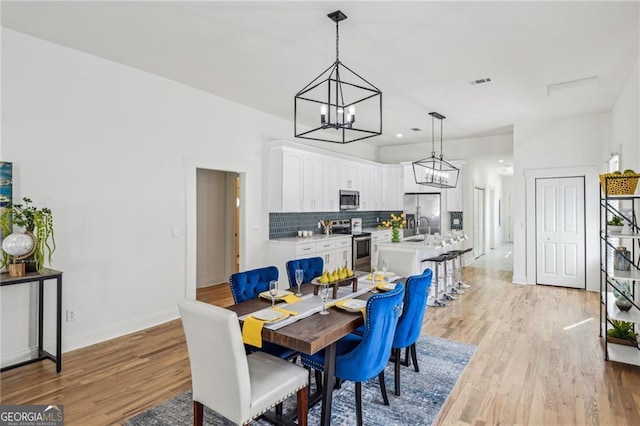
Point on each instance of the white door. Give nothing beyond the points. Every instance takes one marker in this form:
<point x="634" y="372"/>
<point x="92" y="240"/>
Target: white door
<point x="560" y="247"/>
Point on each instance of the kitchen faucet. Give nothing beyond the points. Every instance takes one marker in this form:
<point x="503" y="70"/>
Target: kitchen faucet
<point x="418" y="225"/>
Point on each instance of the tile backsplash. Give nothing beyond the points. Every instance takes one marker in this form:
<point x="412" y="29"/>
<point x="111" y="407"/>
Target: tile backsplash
<point x="455" y="220"/>
<point x="284" y="225"/>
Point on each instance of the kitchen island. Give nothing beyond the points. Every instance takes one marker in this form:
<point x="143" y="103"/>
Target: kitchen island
<point x="408" y="257"/>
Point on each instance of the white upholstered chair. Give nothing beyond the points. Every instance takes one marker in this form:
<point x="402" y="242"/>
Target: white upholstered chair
<point x="240" y="387"/>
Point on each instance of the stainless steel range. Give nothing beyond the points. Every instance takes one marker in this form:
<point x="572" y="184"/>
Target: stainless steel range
<point x="361" y="245"/>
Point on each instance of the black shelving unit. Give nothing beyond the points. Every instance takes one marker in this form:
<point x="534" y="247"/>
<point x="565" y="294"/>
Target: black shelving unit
<point x="611" y="279"/>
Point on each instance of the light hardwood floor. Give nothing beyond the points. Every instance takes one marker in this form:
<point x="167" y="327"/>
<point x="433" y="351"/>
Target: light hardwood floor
<point x="528" y="369"/>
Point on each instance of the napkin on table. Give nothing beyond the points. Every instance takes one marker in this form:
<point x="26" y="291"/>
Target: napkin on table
<point x="252" y="331"/>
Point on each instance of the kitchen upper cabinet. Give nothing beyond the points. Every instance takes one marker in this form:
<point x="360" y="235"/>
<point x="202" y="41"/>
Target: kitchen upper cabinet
<point x="295" y="181"/>
<point x="348" y="175"/>
<point x="375" y="188"/>
<point x="364" y="186"/>
<point x="312" y="179"/>
<point x="392" y="188"/>
<point x="285" y="180"/>
<point x="331" y="185"/>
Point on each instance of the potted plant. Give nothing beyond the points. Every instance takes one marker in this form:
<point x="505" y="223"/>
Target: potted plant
<point x="37" y="221"/>
<point x="622" y="333"/>
<point x="615" y="224"/>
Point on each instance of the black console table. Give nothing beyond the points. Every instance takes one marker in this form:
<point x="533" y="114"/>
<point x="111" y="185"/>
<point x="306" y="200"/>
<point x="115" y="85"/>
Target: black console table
<point x="30" y="277"/>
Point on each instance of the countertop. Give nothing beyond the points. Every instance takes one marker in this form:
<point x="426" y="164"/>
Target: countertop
<point x="316" y="238"/>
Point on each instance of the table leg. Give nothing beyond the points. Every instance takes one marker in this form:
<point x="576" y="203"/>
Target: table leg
<point x="59" y="325"/>
<point x="327" y="384"/>
<point x="40" y="316"/>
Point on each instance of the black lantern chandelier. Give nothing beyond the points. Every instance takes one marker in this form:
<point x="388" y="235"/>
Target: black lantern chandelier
<point x="325" y="109"/>
<point x="435" y="171"/>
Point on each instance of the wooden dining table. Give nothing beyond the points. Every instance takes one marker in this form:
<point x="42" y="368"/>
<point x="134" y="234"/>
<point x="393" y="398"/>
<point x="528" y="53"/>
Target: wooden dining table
<point x="310" y="335"/>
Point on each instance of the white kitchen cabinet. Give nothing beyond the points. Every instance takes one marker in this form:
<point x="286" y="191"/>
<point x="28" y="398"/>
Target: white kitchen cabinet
<point x="392" y="188"/>
<point x="331" y="185"/>
<point x="376" y="238"/>
<point x="454" y="196"/>
<point x="364" y="186"/>
<point x="285" y="180"/>
<point x="344" y="253"/>
<point x="312" y="180"/>
<point x="333" y="250"/>
<point x="295" y="180"/>
<point x="348" y="175"/>
<point x="375" y="188"/>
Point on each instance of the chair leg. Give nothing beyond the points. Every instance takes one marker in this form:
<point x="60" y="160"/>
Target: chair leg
<point x="318" y="375"/>
<point x="198" y="413"/>
<point x="414" y="357"/>
<point x="359" y="403"/>
<point x="279" y="409"/>
<point x="396" y="372"/>
<point x="303" y="405"/>
<point x="383" y="387"/>
<point x="406" y="362"/>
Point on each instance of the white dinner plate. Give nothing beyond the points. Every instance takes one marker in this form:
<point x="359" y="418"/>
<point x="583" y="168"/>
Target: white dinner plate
<point x="387" y="286"/>
<point x="352" y="305"/>
<point x="269" y="315"/>
<point x="281" y="294"/>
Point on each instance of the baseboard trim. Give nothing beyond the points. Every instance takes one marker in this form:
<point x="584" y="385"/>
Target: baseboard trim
<point x="519" y="279"/>
<point x="118" y="330"/>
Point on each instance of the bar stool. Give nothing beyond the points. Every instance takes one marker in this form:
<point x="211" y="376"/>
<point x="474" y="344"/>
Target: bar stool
<point x="440" y="287"/>
<point x="460" y="283"/>
<point x="456" y="271"/>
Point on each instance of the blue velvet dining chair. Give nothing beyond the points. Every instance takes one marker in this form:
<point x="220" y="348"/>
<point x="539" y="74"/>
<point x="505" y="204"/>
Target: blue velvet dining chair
<point x="410" y="322"/>
<point x="248" y="285"/>
<point x="361" y="358"/>
<point x="311" y="266"/>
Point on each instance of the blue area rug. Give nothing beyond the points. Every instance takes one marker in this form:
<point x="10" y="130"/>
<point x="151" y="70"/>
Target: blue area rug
<point x="441" y="363"/>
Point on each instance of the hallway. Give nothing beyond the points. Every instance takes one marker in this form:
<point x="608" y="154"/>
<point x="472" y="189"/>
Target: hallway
<point x="499" y="258"/>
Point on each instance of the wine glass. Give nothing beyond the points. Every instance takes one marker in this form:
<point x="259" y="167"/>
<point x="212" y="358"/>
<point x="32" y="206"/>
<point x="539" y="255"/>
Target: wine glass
<point x="374" y="273"/>
<point x="273" y="291"/>
<point x="299" y="278"/>
<point x="385" y="268"/>
<point x="324" y="293"/>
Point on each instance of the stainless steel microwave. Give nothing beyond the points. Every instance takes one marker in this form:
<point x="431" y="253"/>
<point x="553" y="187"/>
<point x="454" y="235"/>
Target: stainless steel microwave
<point x="349" y="200"/>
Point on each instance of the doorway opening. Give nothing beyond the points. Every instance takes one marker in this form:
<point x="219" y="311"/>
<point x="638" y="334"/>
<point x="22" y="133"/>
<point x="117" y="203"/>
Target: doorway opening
<point x="217" y="233"/>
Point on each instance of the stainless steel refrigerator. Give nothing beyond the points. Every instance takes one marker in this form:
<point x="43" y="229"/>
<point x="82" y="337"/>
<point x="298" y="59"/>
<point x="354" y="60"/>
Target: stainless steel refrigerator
<point x="422" y="212"/>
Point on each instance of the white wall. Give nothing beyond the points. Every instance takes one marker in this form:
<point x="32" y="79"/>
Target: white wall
<point x="625" y="122"/>
<point x="563" y="147"/>
<point x="113" y="152"/>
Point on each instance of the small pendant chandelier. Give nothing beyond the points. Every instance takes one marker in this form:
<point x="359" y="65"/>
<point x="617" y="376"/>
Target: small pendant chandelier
<point x="325" y="109"/>
<point x="434" y="171"/>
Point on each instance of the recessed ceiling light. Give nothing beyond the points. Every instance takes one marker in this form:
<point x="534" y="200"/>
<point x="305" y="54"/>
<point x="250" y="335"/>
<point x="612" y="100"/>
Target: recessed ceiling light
<point x="500" y="161"/>
<point x="398" y="135"/>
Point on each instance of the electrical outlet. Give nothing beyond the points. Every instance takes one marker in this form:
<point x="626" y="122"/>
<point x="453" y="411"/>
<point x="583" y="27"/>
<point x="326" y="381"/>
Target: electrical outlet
<point x="319" y="225"/>
<point x="71" y="314"/>
<point x="377" y="220"/>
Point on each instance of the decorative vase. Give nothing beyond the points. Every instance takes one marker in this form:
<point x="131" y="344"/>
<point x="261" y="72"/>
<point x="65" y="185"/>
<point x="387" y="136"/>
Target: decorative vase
<point x="623" y="303"/>
<point x="395" y="238"/>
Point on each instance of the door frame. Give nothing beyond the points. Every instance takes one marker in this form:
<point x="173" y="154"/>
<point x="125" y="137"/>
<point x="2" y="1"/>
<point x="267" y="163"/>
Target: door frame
<point x="191" y="164"/>
<point x="592" y="218"/>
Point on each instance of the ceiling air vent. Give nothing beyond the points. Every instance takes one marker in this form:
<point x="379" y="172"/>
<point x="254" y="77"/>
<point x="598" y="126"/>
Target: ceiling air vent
<point x="480" y="81"/>
<point x="415" y="129"/>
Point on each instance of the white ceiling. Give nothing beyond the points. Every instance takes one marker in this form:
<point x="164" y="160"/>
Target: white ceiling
<point x="420" y="54"/>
